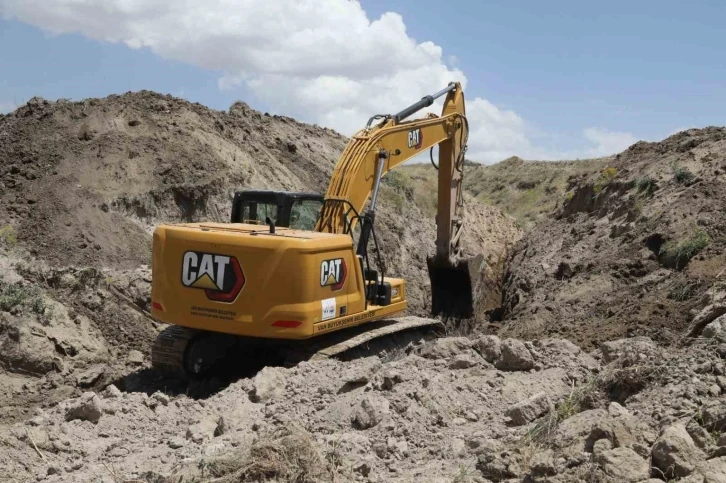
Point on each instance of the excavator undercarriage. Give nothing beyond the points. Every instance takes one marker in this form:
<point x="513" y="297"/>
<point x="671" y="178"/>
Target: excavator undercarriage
<point x="297" y="276"/>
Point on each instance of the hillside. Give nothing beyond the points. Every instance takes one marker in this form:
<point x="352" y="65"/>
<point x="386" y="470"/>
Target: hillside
<point x="633" y="249"/>
<point x="525" y="190"/>
<point x="596" y="354"/>
<point x="85" y="183"/>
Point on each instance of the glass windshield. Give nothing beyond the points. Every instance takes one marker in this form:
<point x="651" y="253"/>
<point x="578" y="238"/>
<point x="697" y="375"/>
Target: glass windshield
<point x="304" y="214"/>
<point x="256" y="213"/>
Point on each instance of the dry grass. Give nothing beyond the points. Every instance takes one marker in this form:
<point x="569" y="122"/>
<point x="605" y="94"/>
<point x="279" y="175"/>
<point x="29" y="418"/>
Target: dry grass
<point x="580" y="398"/>
<point x="682" y="251"/>
<point x="291" y="455"/>
<point x="526" y="190"/>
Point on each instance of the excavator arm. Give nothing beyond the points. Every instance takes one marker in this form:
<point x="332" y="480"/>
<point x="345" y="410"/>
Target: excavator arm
<point x="373" y="152"/>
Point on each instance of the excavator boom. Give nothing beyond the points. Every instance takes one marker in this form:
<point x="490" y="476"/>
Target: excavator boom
<point x="373" y="152"/>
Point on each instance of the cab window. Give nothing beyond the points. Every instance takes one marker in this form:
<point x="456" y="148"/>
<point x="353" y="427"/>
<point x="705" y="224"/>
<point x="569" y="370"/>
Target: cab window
<point x="304" y="214"/>
<point x="255" y="213"/>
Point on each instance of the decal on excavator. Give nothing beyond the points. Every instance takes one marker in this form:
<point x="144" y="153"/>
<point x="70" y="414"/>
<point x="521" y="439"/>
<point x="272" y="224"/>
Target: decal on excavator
<point x="220" y="276"/>
<point x="329" y="309"/>
<point x="415" y="139"/>
<point x="333" y="273"/>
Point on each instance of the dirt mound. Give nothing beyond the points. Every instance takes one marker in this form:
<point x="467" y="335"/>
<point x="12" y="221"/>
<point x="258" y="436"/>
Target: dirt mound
<point x="452" y="409"/>
<point x="423" y="416"/>
<point x="86" y="182"/>
<point x="83" y="184"/>
<point x="632" y="249"/>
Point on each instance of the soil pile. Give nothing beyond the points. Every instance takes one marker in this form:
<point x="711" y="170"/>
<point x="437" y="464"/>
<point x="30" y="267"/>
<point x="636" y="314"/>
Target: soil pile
<point x="83" y="184"/>
<point x="449" y="410"/>
<point x="631" y="250"/>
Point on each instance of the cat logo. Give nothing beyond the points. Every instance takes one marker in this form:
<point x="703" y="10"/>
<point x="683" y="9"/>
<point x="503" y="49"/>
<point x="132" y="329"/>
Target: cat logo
<point x="220" y="276"/>
<point x="415" y="139"/>
<point x="333" y="273"/>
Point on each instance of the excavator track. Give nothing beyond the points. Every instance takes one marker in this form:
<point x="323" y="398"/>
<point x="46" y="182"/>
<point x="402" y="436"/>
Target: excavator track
<point x="197" y="354"/>
<point x="167" y="353"/>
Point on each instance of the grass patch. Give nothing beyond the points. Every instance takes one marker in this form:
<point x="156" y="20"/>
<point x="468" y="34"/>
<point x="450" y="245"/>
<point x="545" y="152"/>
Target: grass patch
<point x="682" y="291"/>
<point x="14" y="296"/>
<point x="682" y="175"/>
<point x="465" y="474"/>
<point x="579" y="399"/>
<point x="646" y="185"/>
<point x="607" y="176"/>
<point x="680" y="253"/>
<point x="7" y="236"/>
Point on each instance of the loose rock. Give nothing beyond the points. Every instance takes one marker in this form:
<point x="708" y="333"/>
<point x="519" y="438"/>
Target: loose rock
<point x="371" y="411"/>
<point x="135" y="358"/>
<point x="267" y="384"/>
<point x="490" y="347"/>
<point x="87" y="408"/>
<point x="675" y="453"/>
<point x="623" y="464"/>
<point x="515" y="356"/>
<point x="527" y="411"/>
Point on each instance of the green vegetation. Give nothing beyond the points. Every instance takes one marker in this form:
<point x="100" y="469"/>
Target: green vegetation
<point x="682" y="291"/>
<point x="681" y="175"/>
<point x="397" y="180"/>
<point x="526" y="190"/>
<point x="395" y="186"/>
<point x="579" y="399"/>
<point x="645" y="185"/>
<point x="607" y="176"/>
<point x="681" y="252"/>
<point x="17" y="296"/>
<point x="7" y="236"/>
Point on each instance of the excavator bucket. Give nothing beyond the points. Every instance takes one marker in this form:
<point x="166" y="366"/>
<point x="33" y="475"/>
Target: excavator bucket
<point x="453" y="286"/>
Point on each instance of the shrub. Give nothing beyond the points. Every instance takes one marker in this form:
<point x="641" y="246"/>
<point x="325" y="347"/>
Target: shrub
<point x="12" y="296"/>
<point x="682" y="175"/>
<point x="607" y="176"/>
<point x="645" y="185"/>
<point x="397" y="180"/>
<point x="7" y="236"/>
<point x="682" y="252"/>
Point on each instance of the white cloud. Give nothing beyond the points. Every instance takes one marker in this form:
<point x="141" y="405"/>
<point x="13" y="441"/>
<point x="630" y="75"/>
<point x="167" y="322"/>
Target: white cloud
<point x="322" y="61"/>
<point x="607" y="142"/>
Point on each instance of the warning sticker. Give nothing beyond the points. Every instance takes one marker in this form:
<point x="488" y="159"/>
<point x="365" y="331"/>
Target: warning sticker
<point x="328" y="309"/>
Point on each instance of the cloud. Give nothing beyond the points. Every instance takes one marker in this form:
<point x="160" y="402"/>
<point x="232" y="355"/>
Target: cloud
<point x="321" y="61"/>
<point x="607" y="142"/>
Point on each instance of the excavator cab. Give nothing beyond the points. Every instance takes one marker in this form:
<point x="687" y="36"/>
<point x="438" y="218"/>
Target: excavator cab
<point x="296" y="210"/>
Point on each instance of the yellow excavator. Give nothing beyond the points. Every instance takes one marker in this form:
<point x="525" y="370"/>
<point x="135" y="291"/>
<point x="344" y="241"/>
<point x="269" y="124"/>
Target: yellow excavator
<point x="288" y="268"/>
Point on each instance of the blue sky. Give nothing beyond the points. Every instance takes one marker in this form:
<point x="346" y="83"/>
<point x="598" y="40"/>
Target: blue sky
<point x="548" y="80"/>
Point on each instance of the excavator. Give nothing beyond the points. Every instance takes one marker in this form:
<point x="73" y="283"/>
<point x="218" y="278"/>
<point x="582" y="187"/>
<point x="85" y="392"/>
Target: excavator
<point x="296" y="267"/>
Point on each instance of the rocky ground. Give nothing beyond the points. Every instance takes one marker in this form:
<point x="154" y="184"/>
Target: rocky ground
<point x="82" y="186"/>
<point x="596" y="353"/>
<point x="449" y="410"/>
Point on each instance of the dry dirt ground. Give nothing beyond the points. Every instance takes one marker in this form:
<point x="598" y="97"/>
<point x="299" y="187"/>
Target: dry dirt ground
<point x="82" y="186"/>
<point x="609" y="313"/>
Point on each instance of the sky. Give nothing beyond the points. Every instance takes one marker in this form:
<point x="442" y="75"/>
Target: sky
<point x="543" y="80"/>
